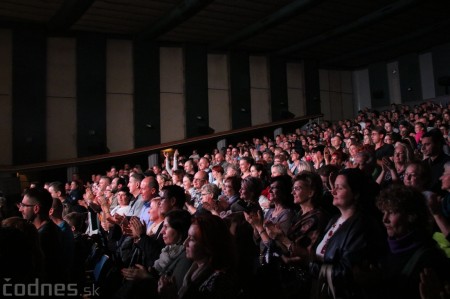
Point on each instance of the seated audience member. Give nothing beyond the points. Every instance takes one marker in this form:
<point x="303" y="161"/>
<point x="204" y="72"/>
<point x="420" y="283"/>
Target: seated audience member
<point x="432" y="148"/>
<point x="172" y="261"/>
<point x="303" y="235"/>
<point x="417" y="175"/>
<point x="211" y="248"/>
<point x="35" y="207"/>
<point x="353" y="240"/>
<point x="393" y="171"/>
<point x="440" y="210"/>
<point x="21" y="246"/>
<point x="123" y="204"/>
<point x="82" y="246"/>
<point x="188" y="184"/>
<point x="67" y="238"/>
<point x="412" y="249"/>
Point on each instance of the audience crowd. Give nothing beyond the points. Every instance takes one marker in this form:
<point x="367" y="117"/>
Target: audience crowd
<point x="359" y="208"/>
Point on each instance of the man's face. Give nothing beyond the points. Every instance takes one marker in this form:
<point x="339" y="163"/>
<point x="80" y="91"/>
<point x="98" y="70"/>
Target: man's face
<point x="428" y="147"/>
<point x="53" y="193"/>
<point x="199" y="180"/>
<point x="376" y="137"/>
<point x="202" y="164"/>
<point x="28" y="208"/>
<point x="103" y="183"/>
<point x="218" y="158"/>
<point x="146" y="191"/>
<point x="114" y="185"/>
<point x="133" y="185"/>
<point x="188" y="166"/>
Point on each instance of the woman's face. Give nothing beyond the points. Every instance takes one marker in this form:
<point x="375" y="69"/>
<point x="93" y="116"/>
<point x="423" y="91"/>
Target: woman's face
<point x="343" y="196"/>
<point x="228" y="189"/>
<point x="123" y="199"/>
<point x="170" y="235"/>
<point x="388" y="139"/>
<point x="207" y="197"/>
<point x="245" y="192"/>
<point x="366" y="139"/>
<point x="194" y="248"/>
<point x="445" y="178"/>
<point x="254" y="173"/>
<point x="153" y="212"/>
<point x="396" y="224"/>
<point x="302" y="192"/>
<point x="399" y="155"/>
<point x="186" y="184"/>
<point x="160" y="180"/>
<point x="276" y="192"/>
<point x="411" y="176"/>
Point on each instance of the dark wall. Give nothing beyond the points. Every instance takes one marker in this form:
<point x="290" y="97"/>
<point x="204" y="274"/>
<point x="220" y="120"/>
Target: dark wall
<point x="278" y="88"/>
<point x="240" y="90"/>
<point x="196" y="90"/>
<point x="379" y="89"/>
<point x="147" y="118"/>
<point x="441" y="67"/>
<point x="91" y="95"/>
<point x="29" y="60"/>
<point x="312" y="87"/>
<point x="410" y="82"/>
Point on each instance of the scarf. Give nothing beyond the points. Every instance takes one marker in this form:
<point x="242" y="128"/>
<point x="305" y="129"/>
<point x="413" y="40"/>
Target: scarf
<point x="408" y="242"/>
<point x="167" y="256"/>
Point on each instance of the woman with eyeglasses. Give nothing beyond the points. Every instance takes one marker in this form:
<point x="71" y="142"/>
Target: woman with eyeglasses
<point x="303" y="235"/>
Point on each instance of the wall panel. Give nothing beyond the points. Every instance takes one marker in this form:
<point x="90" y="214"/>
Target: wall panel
<point x="61" y="99"/>
<point x="119" y="97"/>
<point x="296" y="91"/>
<point x="259" y="91"/>
<point x="28" y="95"/>
<point x="6" y="97"/>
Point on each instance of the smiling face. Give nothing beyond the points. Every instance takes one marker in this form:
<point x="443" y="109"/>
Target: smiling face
<point x="302" y="192"/>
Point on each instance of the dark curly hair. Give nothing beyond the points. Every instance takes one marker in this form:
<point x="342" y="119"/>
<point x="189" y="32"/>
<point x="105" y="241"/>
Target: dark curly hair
<point x="407" y="201"/>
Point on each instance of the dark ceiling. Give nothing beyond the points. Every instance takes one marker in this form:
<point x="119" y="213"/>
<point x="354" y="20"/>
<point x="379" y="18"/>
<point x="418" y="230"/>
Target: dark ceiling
<point x="338" y="33"/>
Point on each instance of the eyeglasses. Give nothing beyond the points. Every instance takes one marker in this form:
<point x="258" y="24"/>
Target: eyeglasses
<point x="204" y="194"/>
<point x="22" y="205"/>
<point x="296" y="188"/>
